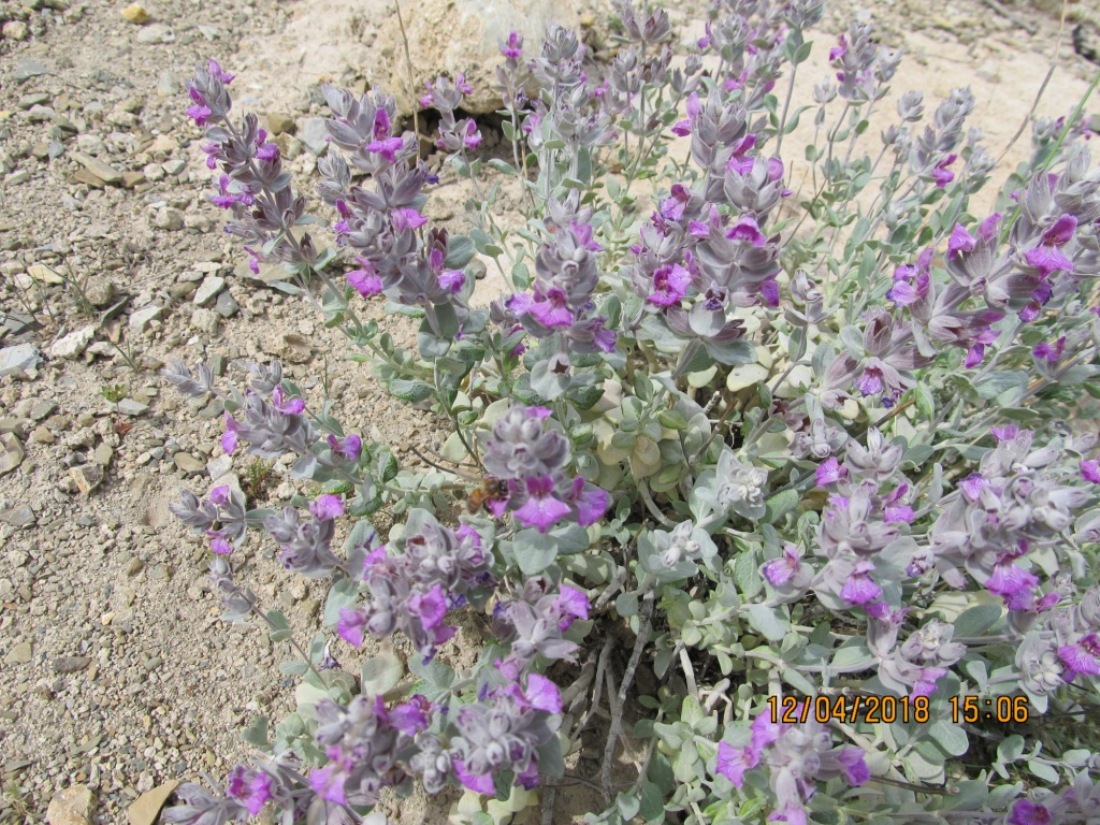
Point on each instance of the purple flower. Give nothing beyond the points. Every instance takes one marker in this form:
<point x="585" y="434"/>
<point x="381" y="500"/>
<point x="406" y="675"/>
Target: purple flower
<point x="1051" y="354"/>
<point x="1026" y="812"/>
<point x="251" y="788"/>
<point x="430" y="607"/>
<point x="220" y="546"/>
<point x="781" y="570"/>
<point x="348" y="447"/>
<point x="472" y="137"/>
<point x="542" y="509"/>
<point x="960" y="241"/>
<point x="479" y="783"/>
<point x="386" y="147"/>
<point x="733" y="762"/>
<point x="328" y="782"/>
<point x="542" y="694"/>
<point x="292" y="406"/>
<point x="1082" y="657"/>
<point x="829" y="472"/>
<point x="855" y="767"/>
<point x="407" y="218"/>
<point x="351" y="626"/>
<point x="452" y="280"/>
<point x="217" y="71"/>
<point x="670" y="283"/>
<point x="859" y="588"/>
<point x="366" y="280"/>
<point x="1090" y="470"/>
<point x="571" y="604"/>
<point x="514" y="47"/>
<point x="941" y="174"/>
<point x="229" y="437"/>
<point x="327" y="506"/>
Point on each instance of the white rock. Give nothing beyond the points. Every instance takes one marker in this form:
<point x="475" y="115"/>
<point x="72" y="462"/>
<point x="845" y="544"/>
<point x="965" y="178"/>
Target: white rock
<point x="140" y="318"/>
<point x="72" y="344"/>
<point x="208" y="290"/>
<point x="451" y="36"/>
<point x="20" y="358"/>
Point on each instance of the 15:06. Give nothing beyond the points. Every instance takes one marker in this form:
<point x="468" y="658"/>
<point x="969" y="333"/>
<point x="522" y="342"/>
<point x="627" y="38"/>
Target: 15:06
<point x="1001" y="709"/>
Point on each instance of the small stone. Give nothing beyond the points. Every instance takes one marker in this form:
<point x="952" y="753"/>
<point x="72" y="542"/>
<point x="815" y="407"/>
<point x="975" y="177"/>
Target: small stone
<point x="277" y="124"/>
<point x="169" y="219"/>
<point x="21" y="654"/>
<point x="135" y="566"/>
<point x="132" y="179"/>
<point x="86" y="477"/>
<point x="73" y="344"/>
<point x="227" y="306"/>
<point x="69" y="664"/>
<point x="40" y="408"/>
<point x="217" y="467"/>
<point x="155" y="33"/>
<point x="28" y="67"/>
<point x="208" y="290"/>
<point x="291" y="347"/>
<point x="187" y="462"/>
<point x="153" y="662"/>
<point x="33" y="99"/>
<point x="128" y="406"/>
<point x="140" y="318"/>
<point x="103" y="455"/>
<point x="22" y="358"/>
<point x="21" y="516"/>
<point x="314" y="134"/>
<point x="73" y="806"/>
<point x="205" y="320"/>
<point x="105" y="172"/>
<point x="100" y="291"/>
<point x="15" y="30"/>
<point x="44" y="274"/>
<point x="88" y="179"/>
<point x="174" y="167"/>
<point x="135" y="13"/>
<point x="11" y="453"/>
<point x="153" y="172"/>
<point x="42" y="435"/>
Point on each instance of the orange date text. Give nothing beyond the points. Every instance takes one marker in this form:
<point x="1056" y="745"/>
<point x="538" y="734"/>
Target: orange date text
<point x="791" y="710"/>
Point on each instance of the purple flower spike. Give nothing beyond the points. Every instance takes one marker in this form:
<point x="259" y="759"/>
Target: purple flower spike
<point x="1090" y="470"/>
<point x="327" y="506"/>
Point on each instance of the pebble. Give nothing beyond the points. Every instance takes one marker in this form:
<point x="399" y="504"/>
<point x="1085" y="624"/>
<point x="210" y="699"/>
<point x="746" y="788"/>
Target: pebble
<point x="205" y="320"/>
<point x="227" y="306"/>
<point x="100" y="292"/>
<point x="174" y="167"/>
<point x="20" y="358"/>
<point x="15" y="30"/>
<point x="103" y="455"/>
<point x="155" y="33"/>
<point x="73" y="344"/>
<point x="20" y="654"/>
<point x="135" y="13"/>
<point x="208" y="290"/>
<point x="28" y="67"/>
<point x="42" y="435"/>
<point x="11" y="453"/>
<point x="128" y="406"/>
<point x="104" y="171"/>
<point x="135" y="566"/>
<point x="169" y="219"/>
<point x="217" y="467"/>
<point x="314" y="134"/>
<point x="277" y="124"/>
<point x="72" y="806"/>
<point x="86" y="477"/>
<point x="69" y="664"/>
<point x="20" y="516"/>
<point x="40" y="408"/>
<point x="140" y="318"/>
<point x="187" y="462"/>
<point x="44" y="274"/>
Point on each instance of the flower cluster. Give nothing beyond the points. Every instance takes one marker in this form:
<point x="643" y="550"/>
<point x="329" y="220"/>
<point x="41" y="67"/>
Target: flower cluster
<point x="534" y="624"/>
<point x="530" y="455"/>
<point x="413" y="586"/>
<point x="252" y="184"/>
<point x="445" y="97"/>
<point x="797" y="755"/>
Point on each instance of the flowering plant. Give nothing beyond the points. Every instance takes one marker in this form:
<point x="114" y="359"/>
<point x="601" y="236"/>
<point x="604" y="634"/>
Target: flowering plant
<point x="802" y="450"/>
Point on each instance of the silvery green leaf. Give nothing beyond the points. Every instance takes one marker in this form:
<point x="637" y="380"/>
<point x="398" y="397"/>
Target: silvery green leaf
<point x="978" y="619"/>
<point x="381" y="674"/>
<point x="767" y="621"/>
<point x="279" y="626"/>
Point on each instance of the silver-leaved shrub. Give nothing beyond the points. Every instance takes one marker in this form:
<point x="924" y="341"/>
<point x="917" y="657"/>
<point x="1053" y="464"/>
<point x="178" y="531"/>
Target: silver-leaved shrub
<point x="823" y="460"/>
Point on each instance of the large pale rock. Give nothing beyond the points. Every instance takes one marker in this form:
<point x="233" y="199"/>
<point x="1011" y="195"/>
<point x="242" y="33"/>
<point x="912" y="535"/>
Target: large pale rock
<point x="450" y="36"/>
<point x="72" y="806"/>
